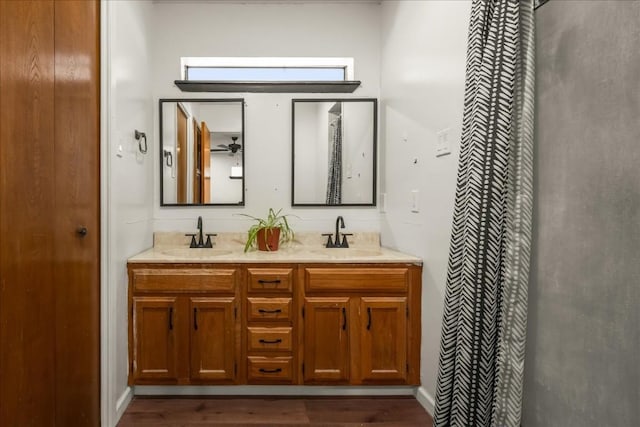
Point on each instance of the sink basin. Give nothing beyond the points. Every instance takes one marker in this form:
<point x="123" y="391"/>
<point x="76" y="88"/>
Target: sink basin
<point x="346" y="252"/>
<point x="194" y="252"/>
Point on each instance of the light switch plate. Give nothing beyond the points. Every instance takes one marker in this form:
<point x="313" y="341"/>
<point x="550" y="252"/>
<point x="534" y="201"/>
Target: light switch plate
<point x="415" y="201"/>
<point x="443" y="143"/>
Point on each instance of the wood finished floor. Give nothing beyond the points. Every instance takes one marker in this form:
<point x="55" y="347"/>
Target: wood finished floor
<point x="276" y="412"/>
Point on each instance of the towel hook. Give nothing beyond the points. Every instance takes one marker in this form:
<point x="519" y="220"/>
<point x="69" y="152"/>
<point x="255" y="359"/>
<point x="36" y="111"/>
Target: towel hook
<point x="168" y="156"/>
<point x="141" y="136"/>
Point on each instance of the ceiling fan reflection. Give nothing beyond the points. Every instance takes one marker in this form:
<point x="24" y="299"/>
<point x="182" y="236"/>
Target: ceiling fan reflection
<point x="232" y="148"/>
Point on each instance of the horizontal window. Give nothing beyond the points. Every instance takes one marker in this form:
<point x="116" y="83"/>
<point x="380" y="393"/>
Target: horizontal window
<point x="266" y="69"/>
<point x="264" y="74"/>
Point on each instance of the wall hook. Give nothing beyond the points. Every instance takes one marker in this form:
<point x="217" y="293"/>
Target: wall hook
<point x="141" y="136"/>
<point x="168" y="157"/>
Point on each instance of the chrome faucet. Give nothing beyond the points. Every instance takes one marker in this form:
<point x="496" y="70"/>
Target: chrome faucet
<point x="200" y="243"/>
<point x="336" y="243"/>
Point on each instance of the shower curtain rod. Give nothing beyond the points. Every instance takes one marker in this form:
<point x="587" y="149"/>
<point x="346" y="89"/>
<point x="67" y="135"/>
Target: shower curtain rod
<point x="539" y="3"/>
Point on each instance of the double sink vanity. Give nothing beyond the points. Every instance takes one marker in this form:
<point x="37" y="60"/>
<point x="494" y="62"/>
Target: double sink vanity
<point x="305" y="314"/>
<point x="320" y="310"/>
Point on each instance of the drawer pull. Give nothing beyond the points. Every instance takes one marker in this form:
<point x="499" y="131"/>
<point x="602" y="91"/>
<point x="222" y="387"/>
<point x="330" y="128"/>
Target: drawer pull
<point x="262" y="310"/>
<point x="369" y="314"/>
<point x="270" y="371"/>
<point x="344" y="319"/>
<point x="170" y="318"/>
<point x="276" y="341"/>
<point x="265" y="282"/>
<point x="195" y="318"/>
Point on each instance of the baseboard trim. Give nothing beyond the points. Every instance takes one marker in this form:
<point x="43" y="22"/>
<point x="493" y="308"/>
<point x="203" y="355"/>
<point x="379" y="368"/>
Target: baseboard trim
<point x="256" y="390"/>
<point x="426" y="400"/>
<point x="122" y="403"/>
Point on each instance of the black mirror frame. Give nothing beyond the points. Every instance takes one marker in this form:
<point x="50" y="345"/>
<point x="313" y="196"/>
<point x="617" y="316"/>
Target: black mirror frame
<point x="374" y="189"/>
<point x="178" y="100"/>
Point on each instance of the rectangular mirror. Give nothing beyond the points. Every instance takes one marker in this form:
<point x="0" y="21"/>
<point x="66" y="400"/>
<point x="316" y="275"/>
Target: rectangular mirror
<point x="201" y="152"/>
<point x="334" y="152"/>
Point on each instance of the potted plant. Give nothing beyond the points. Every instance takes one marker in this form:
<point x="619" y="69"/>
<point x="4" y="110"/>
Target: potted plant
<point x="269" y="232"/>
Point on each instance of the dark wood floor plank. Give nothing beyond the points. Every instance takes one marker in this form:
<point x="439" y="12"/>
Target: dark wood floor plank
<point x="366" y="411"/>
<point x="218" y="411"/>
<point x="276" y="412"/>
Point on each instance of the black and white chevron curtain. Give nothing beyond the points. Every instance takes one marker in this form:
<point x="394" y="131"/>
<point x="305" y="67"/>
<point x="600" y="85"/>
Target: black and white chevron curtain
<point x="485" y="313"/>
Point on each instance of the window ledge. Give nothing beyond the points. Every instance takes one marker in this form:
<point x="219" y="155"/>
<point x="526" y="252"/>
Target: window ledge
<point x="268" y="87"/>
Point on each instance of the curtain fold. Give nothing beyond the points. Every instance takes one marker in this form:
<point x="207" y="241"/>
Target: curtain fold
<point x="334" y="176"/>
<point x="484" y="321"/>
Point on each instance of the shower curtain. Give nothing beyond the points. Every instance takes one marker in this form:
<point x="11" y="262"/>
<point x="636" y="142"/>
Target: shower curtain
<point x="484" y="321"/>
<point x="334" y="177"/>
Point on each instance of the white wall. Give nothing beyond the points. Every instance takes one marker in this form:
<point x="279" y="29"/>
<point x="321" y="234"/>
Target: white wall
<point x="423" y="52"/>
<point x="127" y="201"/>
<point x="311" y="29"/>
<point x="223" y="188"/>
<point x="357" y="153"/>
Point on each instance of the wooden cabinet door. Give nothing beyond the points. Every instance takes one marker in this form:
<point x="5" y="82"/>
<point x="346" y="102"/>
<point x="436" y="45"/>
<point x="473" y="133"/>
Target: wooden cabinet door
<point x="326" y="339"/>
<point x="213" y="343"/>
<point x="383" y="338"/>
<point x="154" y="327"/>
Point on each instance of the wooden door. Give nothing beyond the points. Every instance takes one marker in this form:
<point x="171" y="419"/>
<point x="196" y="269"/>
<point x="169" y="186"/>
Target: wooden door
<point x="326" y="339"/>
<point x="383" y="339"/>
<point x="213" y="343"/>
<point x="156" y="322"/>
<point x="181" y="153"/>
<point x="197" y="161"/>
<point x="27" y="168"/>
<point x="77" y="252"/>
<point x="206" y="164"/>
<point x="49" y="213"/>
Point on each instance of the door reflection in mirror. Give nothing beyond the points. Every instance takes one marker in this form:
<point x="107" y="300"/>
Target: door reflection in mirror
<point x="206" y="139"/>
<point x="334" y="152"/>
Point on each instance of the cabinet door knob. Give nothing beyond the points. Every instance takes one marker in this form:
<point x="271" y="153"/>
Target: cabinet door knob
<point x="82" y="231"/>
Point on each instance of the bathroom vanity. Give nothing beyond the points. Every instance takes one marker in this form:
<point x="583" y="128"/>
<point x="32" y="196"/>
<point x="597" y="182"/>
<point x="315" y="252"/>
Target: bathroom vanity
<point x="301" y="315"/>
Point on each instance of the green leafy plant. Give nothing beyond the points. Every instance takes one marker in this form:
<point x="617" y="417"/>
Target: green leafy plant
<point x="272" y="221"/>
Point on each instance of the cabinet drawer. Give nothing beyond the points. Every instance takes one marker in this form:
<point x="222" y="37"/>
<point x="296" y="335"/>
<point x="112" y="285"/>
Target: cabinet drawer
<point x="269" y="339"/>
<point x="270" y="369"/>
<point x="370" y="279"/>
<point x="270" y="279"/>
<point x="184" y="280"/>
<point x="260" y="309"/>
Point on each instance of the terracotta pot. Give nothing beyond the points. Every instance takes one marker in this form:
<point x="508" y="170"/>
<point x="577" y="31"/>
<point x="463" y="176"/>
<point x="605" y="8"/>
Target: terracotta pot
<point x="268" y="239"/>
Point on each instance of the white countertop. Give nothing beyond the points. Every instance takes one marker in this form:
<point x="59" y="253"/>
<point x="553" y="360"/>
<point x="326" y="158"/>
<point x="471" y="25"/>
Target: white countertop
<point x="306" y="248"/>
